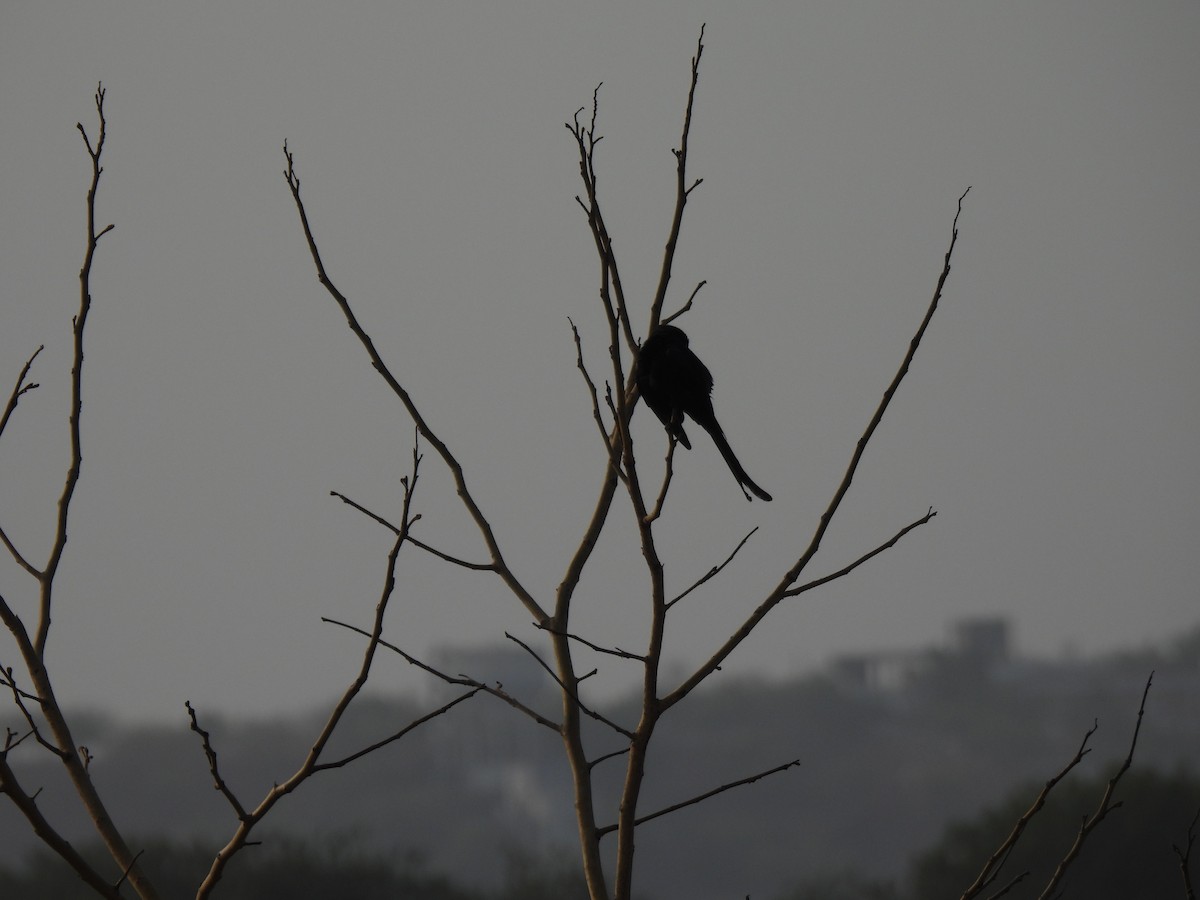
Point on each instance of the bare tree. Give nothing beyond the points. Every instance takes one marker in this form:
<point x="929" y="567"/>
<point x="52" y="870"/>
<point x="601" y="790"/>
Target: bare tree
<point x="621" y="481"/>
<point x="552" y="611"/>
<point x="47" y="727"/>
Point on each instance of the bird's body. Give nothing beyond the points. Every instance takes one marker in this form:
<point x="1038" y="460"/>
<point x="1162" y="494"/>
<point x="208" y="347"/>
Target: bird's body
<point x="674" y="382"/>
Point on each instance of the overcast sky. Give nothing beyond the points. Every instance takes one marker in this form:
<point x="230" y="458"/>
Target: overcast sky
<point x="1052" y="415"/>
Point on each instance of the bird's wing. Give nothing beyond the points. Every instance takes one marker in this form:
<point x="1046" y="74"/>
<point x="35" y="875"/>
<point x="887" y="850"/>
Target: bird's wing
<point x="689" y="373"/>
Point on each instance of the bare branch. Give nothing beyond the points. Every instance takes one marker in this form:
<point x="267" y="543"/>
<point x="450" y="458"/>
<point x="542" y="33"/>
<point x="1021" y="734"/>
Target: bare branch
<point x="705" y="796"/>
<point x="607" y="756"/>
<point x="392" y="738"/>
<point x="609" y="651"/>
<point x="366" y="512"/>
<point x="681" y="191"/>
<point x="1106" y="805"/>
<point x="211" y="754"/>
<point x="790" y="577"/>
<point x="1012" y="883"/>
<point x="461" y="680"/>
<point x="463" y="563"/>
<point x="610" y="447"/>
<point x="247" y="820"/>
<point x="49" y="836"/>
<point x="478" y="567"/>
<point x="679" y="312"/>
<point x="19" y="697"/>
<point x="574" y="695"/>
<point x="482" y="523"/>
<point x="18" y="556"/>
<point x="715" y="570"/>
<point x="668" y="474"/>
<point x="58" y="738"/>
<point x="125" y="875"/>
<point x="887" y="545"/>
<point x="1185" y="856"/>
<point x="612" y="292"/>
<point x="21" y="388"/>
<point x="996" y="861"/>
<point x="80" y="323"/>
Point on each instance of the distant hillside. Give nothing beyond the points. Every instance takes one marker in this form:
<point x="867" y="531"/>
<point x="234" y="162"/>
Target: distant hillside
<point x="886" y="763"/>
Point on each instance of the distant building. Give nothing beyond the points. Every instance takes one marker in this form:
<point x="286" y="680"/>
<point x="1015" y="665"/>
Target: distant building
<point x="980" y="645"/>
<point x="984" y="641"/>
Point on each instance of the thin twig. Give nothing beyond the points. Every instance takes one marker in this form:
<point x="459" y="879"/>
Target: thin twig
<point x="682" y="191"/>
<point x="33" y="650"/>
<point x="248" y="820"/>
<point x="668" y="474"/>
<point x="392" y="738"/>
<point x="461" y="680"/>
<point x="21" y="388"/>
<point x="610" y="447"/>
<point x="715" y="570"/>
<point x="19" y="697"/>
<point x="609" y="651"/>
<point x="702" y="797"/>
<point x="607" y="756"/>
<point x="454" y="560"/>
<point x="1185" y="856"/>
<point x="991" y="869"/>
<point x="574" y="695"/>
<point x="366" y="512"/>
<point x="210" y="754"/>
<point x="679" y="312"/>
<point x="482" y="523"/>
<point x="1106" y="805"/>
<point x="862" y="559"/>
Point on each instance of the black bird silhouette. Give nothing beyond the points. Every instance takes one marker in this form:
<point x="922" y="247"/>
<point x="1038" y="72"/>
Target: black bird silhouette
<point x="673" y="382"/>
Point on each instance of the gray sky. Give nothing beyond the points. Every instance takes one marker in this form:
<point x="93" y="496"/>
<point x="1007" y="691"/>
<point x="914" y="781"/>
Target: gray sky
<point x="1051" y="416"/>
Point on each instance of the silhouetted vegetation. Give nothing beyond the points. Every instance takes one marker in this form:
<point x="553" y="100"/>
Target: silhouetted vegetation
<point x="1129" y="855"/>
<point x="287" y="869"/>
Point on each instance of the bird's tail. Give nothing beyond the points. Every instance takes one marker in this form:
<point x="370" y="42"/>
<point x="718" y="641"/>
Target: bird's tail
<point x="736" y="467"/>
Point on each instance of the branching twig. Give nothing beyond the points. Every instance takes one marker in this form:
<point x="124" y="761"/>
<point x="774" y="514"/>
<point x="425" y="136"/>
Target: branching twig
<point x="21" y="388"/>
<point x="996" y="861"/>
<point x="461" y="680"/>
<point x="1185" y="856"/>
<point x="790" y="577"/>
<point x="248" y="819"/>
<point x="478" y="567"/>
<point x="610" y="447"/>
<point x="211" y="755"/>
<point x="57" y="737"/>
<point x="1106" y="805"/>
<point x="576" y="701"/>
<point x="482" y="523"/>
<point x="668" y="475"/>
<point x="682" y="191"/>
<point x="19" y="697"/>
<point x="679" y="312"/>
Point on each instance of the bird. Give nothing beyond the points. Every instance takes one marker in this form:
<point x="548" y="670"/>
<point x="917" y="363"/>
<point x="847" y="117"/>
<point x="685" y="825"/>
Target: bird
<point x="674" y="383"/>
